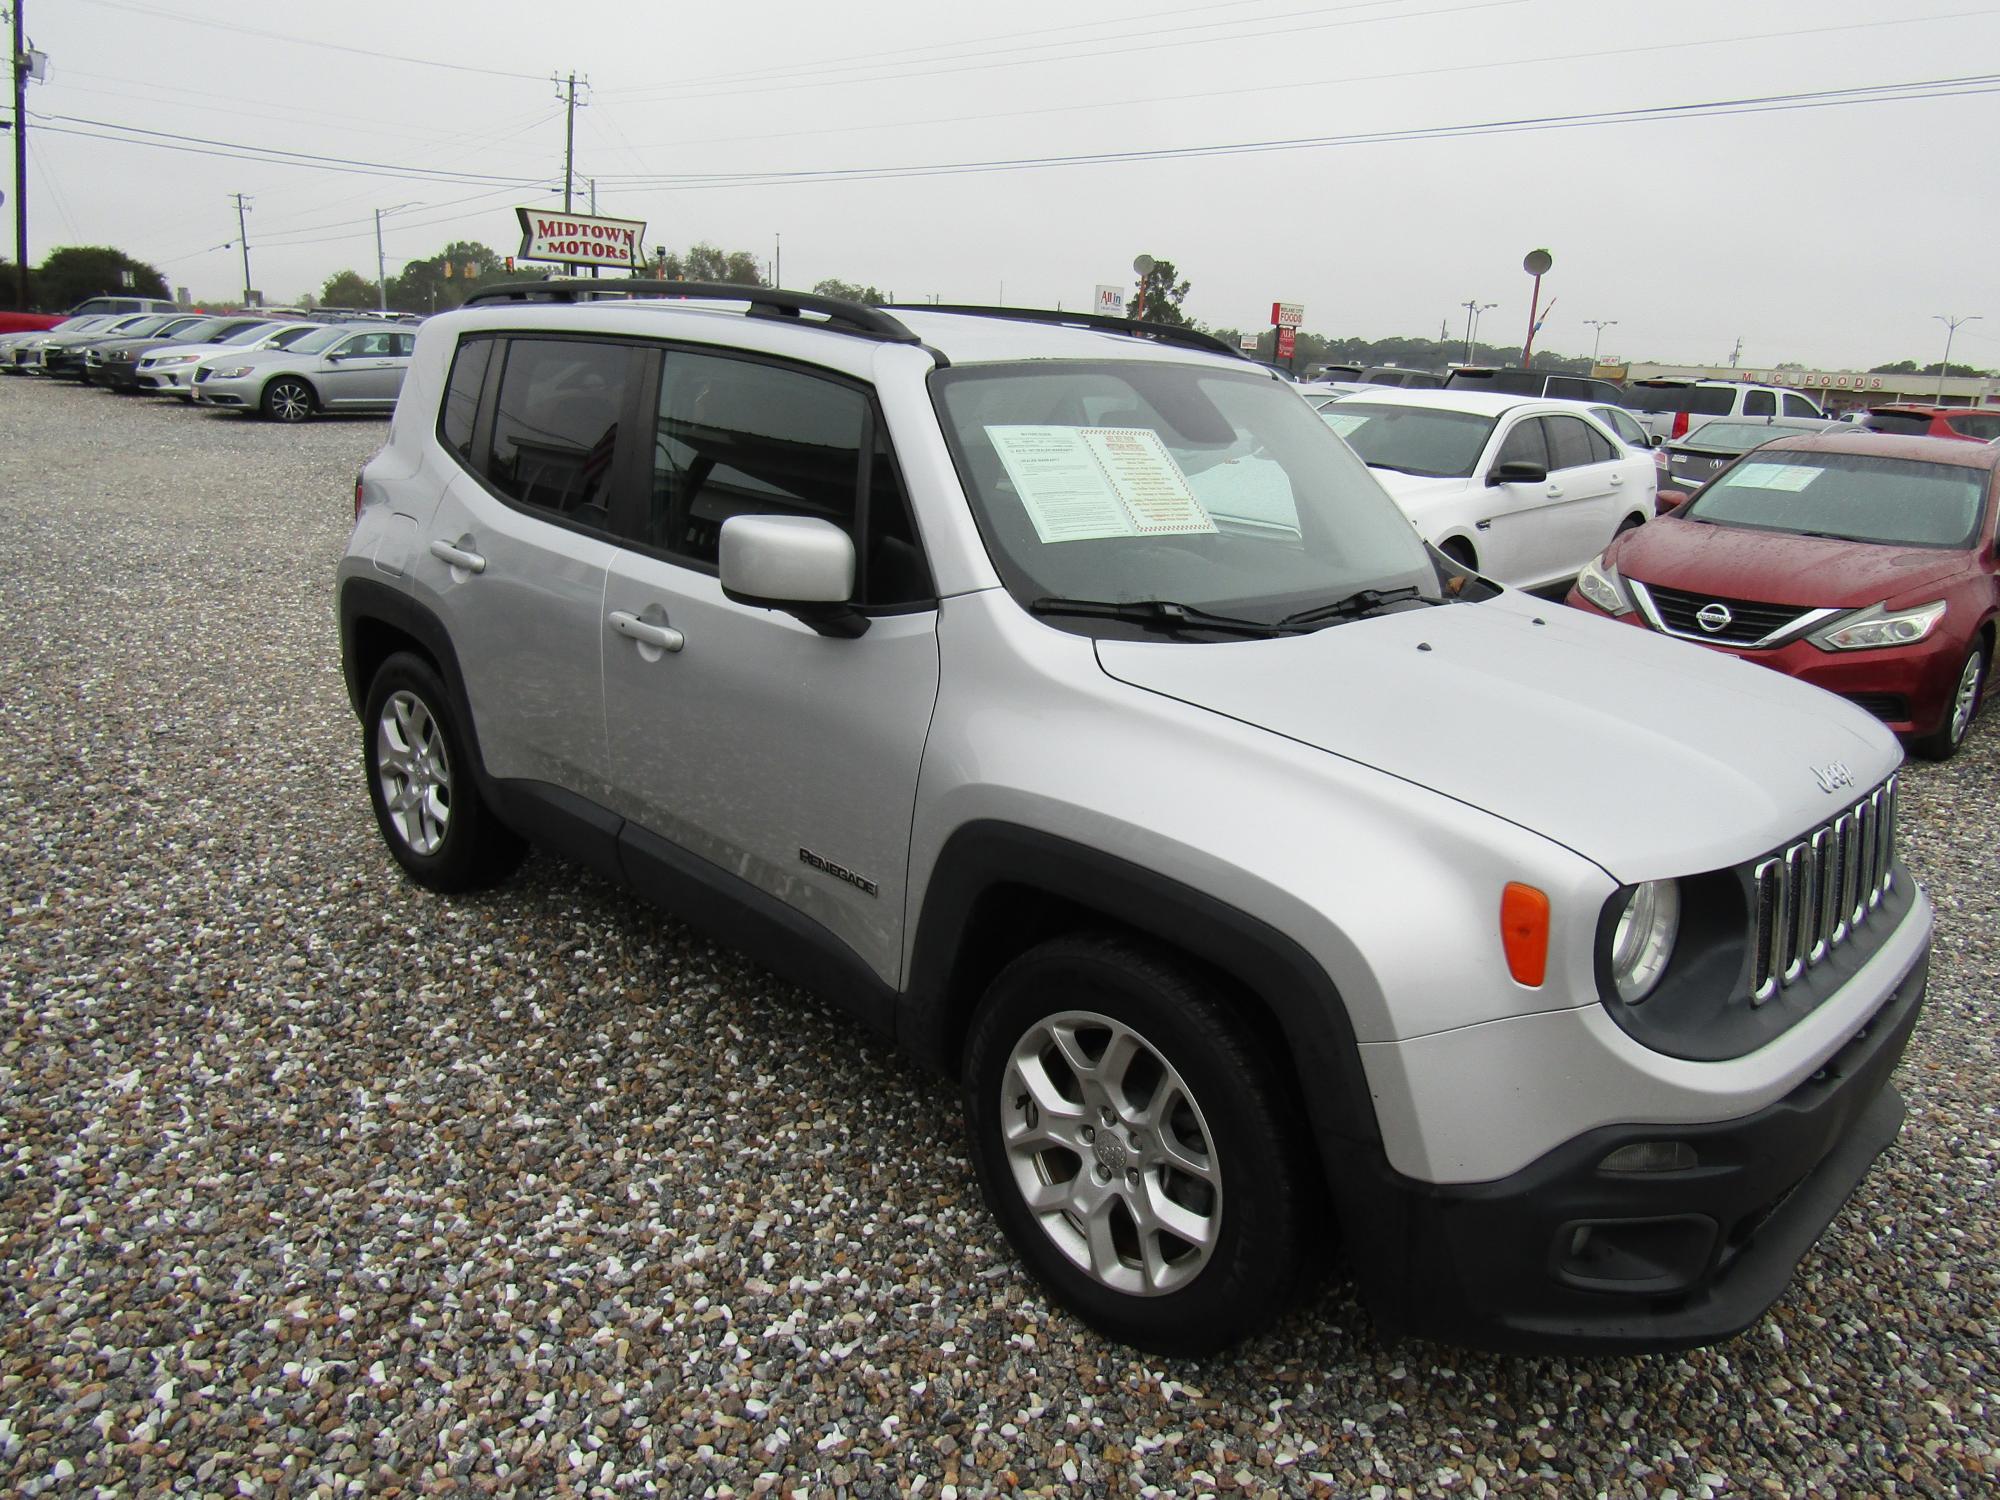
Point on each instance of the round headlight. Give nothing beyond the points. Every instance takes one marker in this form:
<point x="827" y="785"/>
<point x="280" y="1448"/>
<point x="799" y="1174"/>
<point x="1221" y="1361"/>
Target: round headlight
<point x="1644" y="938"/>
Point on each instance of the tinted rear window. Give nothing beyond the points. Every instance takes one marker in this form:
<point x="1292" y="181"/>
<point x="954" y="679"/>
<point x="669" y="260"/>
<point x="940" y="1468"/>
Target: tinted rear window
<point x="1513" y="382"/>
<point x="1902" y="423"/>
<point x="1702" y="400"/>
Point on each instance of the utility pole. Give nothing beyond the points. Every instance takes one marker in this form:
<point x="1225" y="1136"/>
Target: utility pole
<point x="1600" y="324"/>
<point x="567" y="91"/>
<point x="778" y="260"/>
<point x="1736" y="353"/>
<point x="381" y="268"/>
<point x="1951" y="326"/>
<point x="20" y="157"/>
<point x="243" y="239"/>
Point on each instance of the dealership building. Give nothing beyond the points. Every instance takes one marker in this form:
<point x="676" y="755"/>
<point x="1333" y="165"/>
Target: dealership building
<point x="1835" y="389"/>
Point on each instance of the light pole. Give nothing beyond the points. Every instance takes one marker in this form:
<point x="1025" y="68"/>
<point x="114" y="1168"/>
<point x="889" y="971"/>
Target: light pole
<point x="381" y="269"/>
<point x="1536" y="263"/>
<point x="1472" y="311"/>
<point x="1950" y="328"/>
<point x="1600" y="324"/>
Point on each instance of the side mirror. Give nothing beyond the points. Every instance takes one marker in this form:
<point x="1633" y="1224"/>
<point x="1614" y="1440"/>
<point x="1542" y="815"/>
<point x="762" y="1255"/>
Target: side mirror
<point x="1517" y="471"/>
<point x="799" y="564"/>
<point x="1669" y="500"/>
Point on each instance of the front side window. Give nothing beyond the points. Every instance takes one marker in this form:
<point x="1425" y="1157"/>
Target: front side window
<point x="1525" y="444"/>
<point x="1798" y="406"/>
<point x="1411" y="439"/>
<point x="555" y="425"/>
<point x="1569" y="443"/>
<point x="1975" y="424"/>
<point x="1132" y="482"/>
<point x="1849" y="496"/>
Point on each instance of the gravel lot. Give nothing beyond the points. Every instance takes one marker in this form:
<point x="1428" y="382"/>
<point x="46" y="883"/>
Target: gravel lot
<point x="316" y="1184"/>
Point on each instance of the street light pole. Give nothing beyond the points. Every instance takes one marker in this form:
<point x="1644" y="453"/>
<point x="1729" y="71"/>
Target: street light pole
<point x="381" y="267"/>
<point x="1600" y="324"/>
<point x="20" y="158"/>
<point x="1472" y="311"/>
<point x="1950" y="328"/>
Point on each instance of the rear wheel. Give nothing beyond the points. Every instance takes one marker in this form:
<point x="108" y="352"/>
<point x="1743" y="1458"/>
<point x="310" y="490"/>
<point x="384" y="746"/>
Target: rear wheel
<point x="1127" y="1135"/>
<point x="1942" y="743"/>
<point x="420" y="782"/>
<point x="289" y="400"/>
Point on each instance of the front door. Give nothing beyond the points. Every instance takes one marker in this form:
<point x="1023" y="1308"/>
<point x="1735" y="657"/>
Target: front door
<point x="364" y="370"/>
<point x="773" y="753"/>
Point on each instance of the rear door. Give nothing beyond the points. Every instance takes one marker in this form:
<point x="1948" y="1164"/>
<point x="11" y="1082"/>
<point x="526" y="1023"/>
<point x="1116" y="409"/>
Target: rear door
<point x="770" y="753"/>
<point x="515" y="557"/>
<point x="1591" y="476"/>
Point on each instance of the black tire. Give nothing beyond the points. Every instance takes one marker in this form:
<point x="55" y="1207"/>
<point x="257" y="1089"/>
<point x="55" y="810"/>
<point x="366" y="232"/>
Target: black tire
<point x="1943" y="742"/>
<point x="426" y="798"/>
<point x="288" y="399"/>
<point x="1255" y="1205"/>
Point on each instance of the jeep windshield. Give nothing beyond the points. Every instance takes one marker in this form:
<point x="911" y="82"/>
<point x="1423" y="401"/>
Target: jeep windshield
<point x="1217" y="491"/>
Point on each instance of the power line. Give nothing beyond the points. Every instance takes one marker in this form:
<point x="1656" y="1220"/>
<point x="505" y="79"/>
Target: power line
<point x="974" y="47"/>
<point x="1119" y="50"/>
<point x="1942" y="88"/>
<point x="1538" y="60"/>
<point x="161" y="13"/>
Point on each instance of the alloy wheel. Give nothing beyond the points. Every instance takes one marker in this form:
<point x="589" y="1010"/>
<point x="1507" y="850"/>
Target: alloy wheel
<point x="289" y="401"/>
<point x="414" y="772"/>
<point x="1967" y="698"/>
<point x="1111" y="1153"/>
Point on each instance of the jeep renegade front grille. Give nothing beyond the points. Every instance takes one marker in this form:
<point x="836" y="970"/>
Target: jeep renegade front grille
<point x="1816" y="893"/>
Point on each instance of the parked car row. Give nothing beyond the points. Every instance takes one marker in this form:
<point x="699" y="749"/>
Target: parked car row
<point x="286" y="369"/>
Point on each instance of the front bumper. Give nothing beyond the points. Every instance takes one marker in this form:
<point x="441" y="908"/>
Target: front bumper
<point x="1909" y="688"/>
<point x="243" y="391"/>
<point x="1562" y="1256"/>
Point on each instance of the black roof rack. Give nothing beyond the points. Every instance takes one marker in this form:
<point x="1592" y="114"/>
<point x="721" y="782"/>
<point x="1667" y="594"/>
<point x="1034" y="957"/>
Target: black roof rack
<point x="839" y="314"/>
<point x="1164" y="333"/>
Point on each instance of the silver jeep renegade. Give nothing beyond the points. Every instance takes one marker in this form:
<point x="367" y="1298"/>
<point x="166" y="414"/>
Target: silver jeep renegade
<point x="1060" y="695"/>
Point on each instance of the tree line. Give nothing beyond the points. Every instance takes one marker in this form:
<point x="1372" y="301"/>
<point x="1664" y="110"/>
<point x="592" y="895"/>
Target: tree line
<point x="438" y="282"/>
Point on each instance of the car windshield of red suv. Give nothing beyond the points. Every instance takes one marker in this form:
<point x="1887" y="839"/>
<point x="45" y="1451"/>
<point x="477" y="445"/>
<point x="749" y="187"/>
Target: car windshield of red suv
<point x="1849" y="496"/>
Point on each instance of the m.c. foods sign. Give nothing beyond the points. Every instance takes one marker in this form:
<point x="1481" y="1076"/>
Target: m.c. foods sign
<point x="580" y="240"/>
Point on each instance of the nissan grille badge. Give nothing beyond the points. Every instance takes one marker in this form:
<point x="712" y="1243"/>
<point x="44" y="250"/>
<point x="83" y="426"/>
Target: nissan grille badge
<point x="1833" y="776"/>
<point x="1713" y="618"/>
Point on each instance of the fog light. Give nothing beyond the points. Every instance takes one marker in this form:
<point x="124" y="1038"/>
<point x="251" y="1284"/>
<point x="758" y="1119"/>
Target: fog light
<point x="1650" y="1156"/>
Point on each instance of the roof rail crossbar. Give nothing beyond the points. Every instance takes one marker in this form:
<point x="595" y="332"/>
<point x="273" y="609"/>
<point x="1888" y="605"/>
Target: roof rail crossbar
<point x="767" y="302"/>
<point x="1165" y="333"/>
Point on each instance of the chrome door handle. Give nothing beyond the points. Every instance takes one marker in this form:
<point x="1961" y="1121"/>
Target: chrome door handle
<point x="458" y="557"/>
<point x="1617" y="478"/>
<point x="1555" y="492"/>
<point x="665" y="637"/>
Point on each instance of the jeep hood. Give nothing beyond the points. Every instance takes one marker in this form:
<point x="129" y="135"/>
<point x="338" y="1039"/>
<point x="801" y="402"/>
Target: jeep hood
<point x="1649" y="756"/>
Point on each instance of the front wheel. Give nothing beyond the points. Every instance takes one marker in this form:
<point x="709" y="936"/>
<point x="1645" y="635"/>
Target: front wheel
<point x="288" y="400"/>
<point x="420" y="782"/>
<point x="1942" y="743"/>
<point x="1127" y="1135"/>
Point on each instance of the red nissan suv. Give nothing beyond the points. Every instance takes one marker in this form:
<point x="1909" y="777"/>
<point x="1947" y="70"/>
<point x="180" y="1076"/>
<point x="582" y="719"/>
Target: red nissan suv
<point x="1862" y="563"/>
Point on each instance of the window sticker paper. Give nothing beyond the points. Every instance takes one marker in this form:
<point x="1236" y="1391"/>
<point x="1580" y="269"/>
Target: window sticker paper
<point x="1789" y="477"/>
<point x="1342" y="422"/>
<point x="1087" y="483"/>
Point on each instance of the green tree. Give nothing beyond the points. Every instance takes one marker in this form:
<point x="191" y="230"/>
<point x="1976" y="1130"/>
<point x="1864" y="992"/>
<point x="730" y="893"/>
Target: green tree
<point x="705" y="262"/>
<point x="1911" y="367"/>
<point x="78" y="271"/>
<point x="1159" y="296"/>
<point x="446" y="279"/>
<point x="10" y="284"/>
<point x="833" y="287"/>
<point x="348" y="289"/>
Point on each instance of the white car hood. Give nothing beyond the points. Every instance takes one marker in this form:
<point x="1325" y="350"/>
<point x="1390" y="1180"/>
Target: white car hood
<point x="1417" y="494"/>
<point x="1648" y="756"/>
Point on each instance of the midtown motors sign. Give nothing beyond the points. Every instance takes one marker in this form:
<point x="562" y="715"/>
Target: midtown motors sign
<point x="579" y="240"/>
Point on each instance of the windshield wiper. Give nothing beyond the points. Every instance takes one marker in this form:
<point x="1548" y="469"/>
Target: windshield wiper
<point x="1353" y="606"/>
<point x="1155" y="614"/>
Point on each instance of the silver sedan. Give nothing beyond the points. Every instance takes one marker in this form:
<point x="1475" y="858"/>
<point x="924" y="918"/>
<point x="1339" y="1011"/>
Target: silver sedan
<point x="341" y="368"/>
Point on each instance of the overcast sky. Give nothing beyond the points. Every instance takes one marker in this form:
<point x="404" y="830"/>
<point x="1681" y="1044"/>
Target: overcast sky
<point x="1832" y="234"/>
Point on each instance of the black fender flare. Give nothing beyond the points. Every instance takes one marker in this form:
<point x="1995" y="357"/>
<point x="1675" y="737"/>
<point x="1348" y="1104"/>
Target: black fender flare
<point x="982" y="857"/>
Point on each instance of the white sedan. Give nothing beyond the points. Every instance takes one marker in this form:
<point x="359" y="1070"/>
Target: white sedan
<point x="1523" y="490"/>
<point x="170" y="370"/>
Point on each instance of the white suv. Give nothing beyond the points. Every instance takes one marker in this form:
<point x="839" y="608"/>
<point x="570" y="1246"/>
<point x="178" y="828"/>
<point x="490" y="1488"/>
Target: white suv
<point x="1670" y="407"/>
<point x="1062" y="697"/>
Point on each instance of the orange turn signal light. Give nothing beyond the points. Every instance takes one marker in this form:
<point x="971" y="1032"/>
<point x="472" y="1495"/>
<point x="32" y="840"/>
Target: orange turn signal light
<point x="1524" y="933"/>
